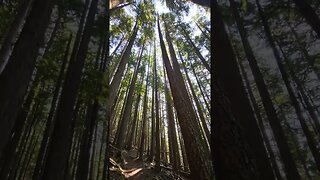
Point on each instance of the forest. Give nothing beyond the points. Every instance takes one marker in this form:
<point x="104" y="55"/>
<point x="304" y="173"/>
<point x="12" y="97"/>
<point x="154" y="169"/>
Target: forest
<point x="159" y="89"/>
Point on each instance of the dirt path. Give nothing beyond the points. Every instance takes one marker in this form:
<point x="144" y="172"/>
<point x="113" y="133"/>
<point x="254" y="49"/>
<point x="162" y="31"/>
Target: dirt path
<point x="135" y="170"/>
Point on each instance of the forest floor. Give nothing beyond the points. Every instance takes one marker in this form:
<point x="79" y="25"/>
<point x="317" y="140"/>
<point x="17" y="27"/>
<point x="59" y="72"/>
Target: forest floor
<point x="133" y="168"/>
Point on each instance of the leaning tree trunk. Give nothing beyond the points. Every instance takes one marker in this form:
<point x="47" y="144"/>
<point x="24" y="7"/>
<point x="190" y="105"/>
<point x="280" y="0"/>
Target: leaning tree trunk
<point x="197" y="51"/>
<point x="198" y="105"/>
<point x="48" y="128"/>
<point x="13" y="33"/>
<point x="58" y="147"/>
<point x="198" y="154"/>
<point x="173" y="144"/>
<point x="123" y="124"/>
<point x="232" y="109"/>
<point x="22" y="60"/>
<point x="281" y="140"/>
<point x="309" y="136"/>
<point x="260" y="121"/>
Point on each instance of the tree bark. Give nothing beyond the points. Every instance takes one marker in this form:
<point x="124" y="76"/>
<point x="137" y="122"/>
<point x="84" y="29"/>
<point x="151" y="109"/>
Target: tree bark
<point x="157" y="127"/>
<point x="198" y="155"/>
<point x="48" y="128"/>
<point x="232" y="113"/>
<point x="281" y="140"/>
<point x="22" y="60"/>
<point x="58" y="148"/>
<point x="123" y="124"/>
<point x="13" y="33"/>
<point x="144" y="119"/>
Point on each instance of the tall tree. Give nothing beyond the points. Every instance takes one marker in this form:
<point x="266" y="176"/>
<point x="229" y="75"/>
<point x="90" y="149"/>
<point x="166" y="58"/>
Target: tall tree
<point x="198" y="155"/>
<point x="284" y="149"/>
<point x="123" y="124"/>
<point x="22" y="60"/>
<point x="231" y="98"/>
<point x="58" y="147"/>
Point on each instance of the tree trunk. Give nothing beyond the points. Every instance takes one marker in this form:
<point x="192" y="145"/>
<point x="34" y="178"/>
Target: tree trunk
<point x="310" y="139"/>
<point x="202" y="90"/>
<point x="114" y="85"/>
<point x="22" y="60"/>
<point x="173" y="144"/>
<point x="144" y="119"/>
<point x="130" y="141"/>
<point x="284" y="149"/>
<point x="57" y="157"/>
<point x="198" y="155"/>
<point x="13" y="33"/>
<point x="17" y="131"/>
<point x="123" y="124"/>
<point x="260" y="123"/>
<point x="204" y="62"/>
<point x="157" y="127"/>
<point x="48" y="128"/>
<point x="200" y="112"/>
<point x="312" y="142"/>
<point x="231" y="100"/>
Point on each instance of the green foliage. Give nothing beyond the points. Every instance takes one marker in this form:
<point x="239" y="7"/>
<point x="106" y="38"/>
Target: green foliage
<point x="7" y="15"/>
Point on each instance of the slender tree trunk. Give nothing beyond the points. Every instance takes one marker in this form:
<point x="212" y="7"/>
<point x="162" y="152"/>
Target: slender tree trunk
<point x="310" y="139"/>
<point x="13" y="33"/>
<point x="204" y="62"/>
<point x="84" y="154"/>
<point x="198" y="155"/>
<point x="260" y="122"/>
<point x="58" y="148"/>
<point x="144" y="119"/>
<point x="173" y="144"/>
<point x="284" y="149"/>
<point x="157" y="127"/>
<point x="152" y="140"/>
<point x="130" y="141"/>
<point x="203" y="32"/>
<point x="123" y="124"/>
<point x="202" y="90"/>
<point x="90" y="123"/>
<point x="231" y="100"/>
<point x="93" y="153"/>
<point x="200" y="112"/>
<point x="22" y="60"/>
<point x="48" y="128"/>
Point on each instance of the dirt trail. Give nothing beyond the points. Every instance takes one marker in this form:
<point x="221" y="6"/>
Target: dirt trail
<point x="135" y="169"/>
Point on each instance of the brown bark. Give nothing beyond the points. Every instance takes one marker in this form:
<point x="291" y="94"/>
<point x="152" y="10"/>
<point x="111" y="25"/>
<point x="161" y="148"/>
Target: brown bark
<point x="198" y="155"/>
